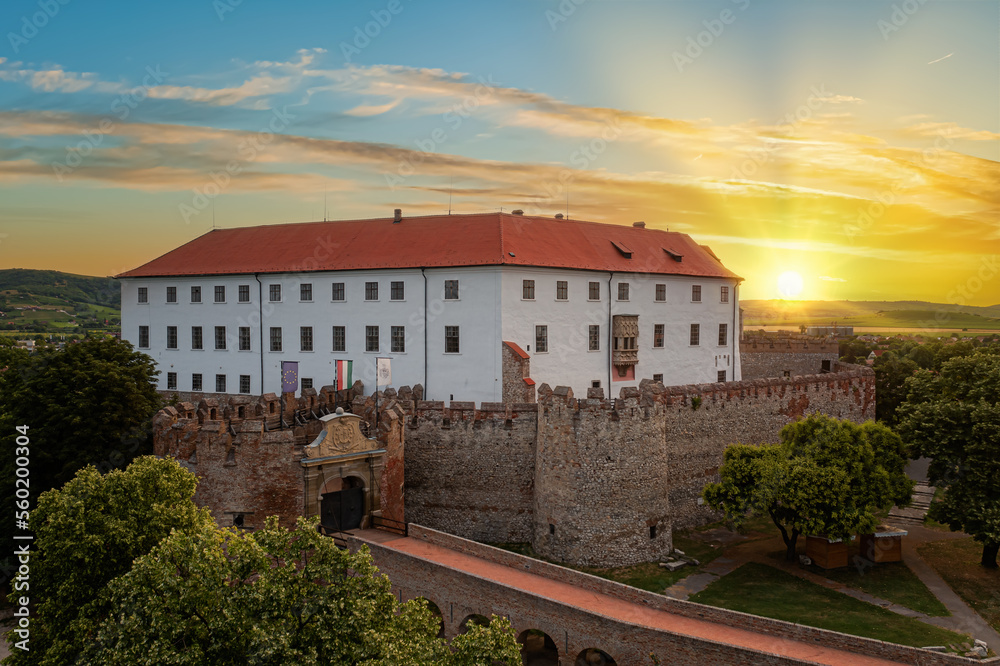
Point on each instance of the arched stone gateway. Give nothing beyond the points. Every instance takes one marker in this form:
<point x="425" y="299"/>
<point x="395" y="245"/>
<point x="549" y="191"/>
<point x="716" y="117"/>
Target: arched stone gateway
<point x="538" y="648"/>
<point x="470" y="620"/>
<point x="595" y="657"/>
<point x="341" y="469"/>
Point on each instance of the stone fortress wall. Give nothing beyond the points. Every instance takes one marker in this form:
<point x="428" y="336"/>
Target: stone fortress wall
<point x="786" y="355"/>
<point x="585" y="480"/>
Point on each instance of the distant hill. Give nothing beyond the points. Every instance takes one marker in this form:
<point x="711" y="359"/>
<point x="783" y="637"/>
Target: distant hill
<point x="901" y="314"/>
<point x="37" y="301"/>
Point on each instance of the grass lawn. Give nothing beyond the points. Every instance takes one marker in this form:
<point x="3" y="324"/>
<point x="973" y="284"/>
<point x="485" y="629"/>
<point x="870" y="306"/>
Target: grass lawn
<point x="957" y="561"/>
<point x="762" y="590"/>
<point x="648" y="576"/>
<point x="892" y="581"/>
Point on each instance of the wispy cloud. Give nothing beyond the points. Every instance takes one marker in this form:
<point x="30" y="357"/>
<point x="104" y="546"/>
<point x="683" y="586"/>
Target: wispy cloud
<point x="941" y="58"/>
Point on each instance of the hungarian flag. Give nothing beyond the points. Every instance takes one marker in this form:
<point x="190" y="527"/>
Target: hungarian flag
<point x="289" y="376"/>
<point x="344" y="375"/>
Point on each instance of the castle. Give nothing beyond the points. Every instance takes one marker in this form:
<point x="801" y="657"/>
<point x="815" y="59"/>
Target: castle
<point x="480" y="307"/>
<point x="586" y="480"/>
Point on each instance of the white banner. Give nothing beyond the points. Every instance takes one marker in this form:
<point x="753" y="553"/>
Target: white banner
<point x="383" y="373"/>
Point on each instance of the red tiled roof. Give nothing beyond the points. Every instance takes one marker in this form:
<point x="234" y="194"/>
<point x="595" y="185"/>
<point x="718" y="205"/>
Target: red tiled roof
<point x="483" y="239"/>
<point x="516" y="348"/>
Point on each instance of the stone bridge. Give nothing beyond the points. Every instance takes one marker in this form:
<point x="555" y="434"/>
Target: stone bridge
<point x="569" y="618"/>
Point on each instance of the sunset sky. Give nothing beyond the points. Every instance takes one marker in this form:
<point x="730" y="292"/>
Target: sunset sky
<point x="853" y="143"/>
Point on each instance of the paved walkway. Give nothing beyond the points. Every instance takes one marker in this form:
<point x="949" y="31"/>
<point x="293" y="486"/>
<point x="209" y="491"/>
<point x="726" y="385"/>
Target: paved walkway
<point x="602" y="604"/>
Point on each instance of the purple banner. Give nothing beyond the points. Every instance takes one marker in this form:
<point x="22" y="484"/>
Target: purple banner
<point x="289" y="376"/>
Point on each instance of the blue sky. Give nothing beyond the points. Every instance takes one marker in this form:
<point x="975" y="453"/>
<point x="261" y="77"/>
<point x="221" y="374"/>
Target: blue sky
<point x="853" y="142"/>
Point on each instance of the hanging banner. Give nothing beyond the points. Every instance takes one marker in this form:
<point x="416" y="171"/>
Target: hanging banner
<point x="383" y="373"/>
<point x="344" y="379"/>
<point x="289" y="376"/>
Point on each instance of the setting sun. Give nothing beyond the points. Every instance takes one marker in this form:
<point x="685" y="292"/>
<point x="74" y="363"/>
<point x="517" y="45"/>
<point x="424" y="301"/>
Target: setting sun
<point x="789" y="284"/>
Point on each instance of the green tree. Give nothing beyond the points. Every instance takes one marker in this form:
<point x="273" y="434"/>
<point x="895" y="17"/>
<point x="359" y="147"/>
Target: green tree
<point x="276" y="596"/>
<point x="88" y="533"/>
<point x="891" y="372"/>
<point x="825" y="477"/>
<point x="953" y="417"/>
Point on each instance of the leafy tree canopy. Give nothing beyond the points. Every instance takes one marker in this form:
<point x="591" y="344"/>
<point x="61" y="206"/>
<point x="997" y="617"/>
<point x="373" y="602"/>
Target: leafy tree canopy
<point x="276" y="596"/>
<point x="88" y="533"/>
<point x="825" y="477"/>
<point x="953" y="417"/>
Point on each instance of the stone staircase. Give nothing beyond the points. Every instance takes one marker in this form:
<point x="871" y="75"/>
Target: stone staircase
<point x="913" y="514"/>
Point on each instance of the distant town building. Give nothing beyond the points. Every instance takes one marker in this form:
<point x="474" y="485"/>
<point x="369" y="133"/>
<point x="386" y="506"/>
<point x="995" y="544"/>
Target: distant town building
<point x="836" y="331"/>
<point x="472" y="307"/>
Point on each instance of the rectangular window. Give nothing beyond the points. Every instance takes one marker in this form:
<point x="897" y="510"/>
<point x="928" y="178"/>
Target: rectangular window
<point x="541" y="338"/>
<point x="171" y="337"/>
<point x="220" y="337"/>
<point x="339" y="338"/>
<point x="143" y="294"/>
<point x="274" y="293"/>
<point x="595" y="291"/>
<point x="172" y="381"/>
<point x="398" y="343"/>
<point x="661" y="292"/>
<point x="723" y="335"/>
<point x="725" y="294"/>
<point x="171" y="294"/>
<point x="338" y="291"/>
<point x="623" y="291"/>
<point x="244" y="383"/>
<point x="307" y="382"/>
<point x="657" y="335"/>
<point x="371" y="338"/>
<point x="371" y="291"/>
<point x="721" y="376"/>
<point x="244" y="293"/>
<point x="562" y="290"/>
<point x="196" y="294"/>
<point x="196" y="339"/>
<point x="595" y="337"/>
<point x="305" y="292"/>
<point x="695" y="334"/>
<point x="144" y="337"/>
<point x="220" y="294"/>
<point x="220" y="383"/>
<point x="306" y="338"/>
<point x="658" y="378"/>
<point x="244" y="338"/>
<point x="451" y="339"/>
<point x="396" y="292"/>
<point x="196" y="382"/>
<point x="451" y="290"/>
<point x="276" y="338"/>
<point x="528" y="290"/>
<point x="696" y="293"/>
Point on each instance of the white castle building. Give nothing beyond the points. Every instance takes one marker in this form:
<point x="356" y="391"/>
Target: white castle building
<point x="473" y="307"/>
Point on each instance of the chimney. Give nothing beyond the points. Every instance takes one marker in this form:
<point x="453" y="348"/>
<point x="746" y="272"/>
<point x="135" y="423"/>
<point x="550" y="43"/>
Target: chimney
<point x="397" y="216"/>
<point x="640" y="224"/>
<point x="517" y="211"/>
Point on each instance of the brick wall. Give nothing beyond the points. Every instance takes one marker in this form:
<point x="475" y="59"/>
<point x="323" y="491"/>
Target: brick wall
<point x="459" y="594"/>
<point x="471" y="472"/>
<point x="766" y="356"/>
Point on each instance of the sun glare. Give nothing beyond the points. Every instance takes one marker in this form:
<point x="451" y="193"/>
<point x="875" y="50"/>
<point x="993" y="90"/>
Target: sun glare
<point x="789" y="284"/>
